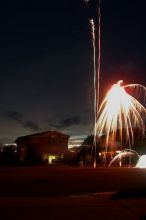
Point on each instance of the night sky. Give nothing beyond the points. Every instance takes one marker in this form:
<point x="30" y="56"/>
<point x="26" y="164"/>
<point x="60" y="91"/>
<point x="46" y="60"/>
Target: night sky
<point x="46" y="62"/>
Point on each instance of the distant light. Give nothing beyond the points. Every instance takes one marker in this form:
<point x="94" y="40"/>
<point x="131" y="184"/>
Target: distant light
<point x="141" y="162"/>
<point x="51" y="159"/>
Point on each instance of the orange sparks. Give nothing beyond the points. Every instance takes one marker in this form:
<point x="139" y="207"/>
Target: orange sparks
<point x="120" y="112"/>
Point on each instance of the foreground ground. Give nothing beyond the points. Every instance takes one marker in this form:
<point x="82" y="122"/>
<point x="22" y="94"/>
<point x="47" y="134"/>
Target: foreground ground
<point x="72" y="193"/>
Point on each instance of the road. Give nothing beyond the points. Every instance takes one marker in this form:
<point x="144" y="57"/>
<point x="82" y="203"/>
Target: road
<point x="46" y="181"/>
<point x="72" y="193"/>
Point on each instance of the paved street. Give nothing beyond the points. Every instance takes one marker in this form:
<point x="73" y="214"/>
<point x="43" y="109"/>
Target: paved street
<point x="72" y="193"/>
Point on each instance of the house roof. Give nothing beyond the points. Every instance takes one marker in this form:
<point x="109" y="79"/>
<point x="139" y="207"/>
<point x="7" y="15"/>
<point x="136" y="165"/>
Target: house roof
<point x="43" y="134"/>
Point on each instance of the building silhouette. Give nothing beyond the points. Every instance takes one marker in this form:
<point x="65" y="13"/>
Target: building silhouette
<point x="49" y="147"/>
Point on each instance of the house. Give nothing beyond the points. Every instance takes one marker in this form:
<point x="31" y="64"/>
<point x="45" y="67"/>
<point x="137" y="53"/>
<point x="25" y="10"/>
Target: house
<point x="50" y="147"/>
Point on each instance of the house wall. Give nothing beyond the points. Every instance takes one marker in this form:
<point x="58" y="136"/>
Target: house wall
<point x="39" y="146"/>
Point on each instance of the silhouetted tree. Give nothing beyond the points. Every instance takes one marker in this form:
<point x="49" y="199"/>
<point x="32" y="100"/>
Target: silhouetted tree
<point x="87" y="150"/>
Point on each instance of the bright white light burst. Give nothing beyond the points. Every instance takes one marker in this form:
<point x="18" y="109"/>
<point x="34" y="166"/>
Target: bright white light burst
<point x="141" y="162"/>
<point x="120" y="113"/>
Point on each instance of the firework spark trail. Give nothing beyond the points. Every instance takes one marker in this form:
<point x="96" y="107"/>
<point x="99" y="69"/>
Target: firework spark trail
<point x="95" y="90"/>
<point x="96" y="73"/>
<point x="120" y="111"/>
<point x="99" y="54"/>
<point x="139" y="90"/>
<point x="127" y="153"/>
<point x="97" y="80"/>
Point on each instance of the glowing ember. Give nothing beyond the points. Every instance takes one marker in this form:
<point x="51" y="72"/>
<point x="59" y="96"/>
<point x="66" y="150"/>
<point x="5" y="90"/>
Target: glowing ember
<point x="141" y="162"/>
<point x="120" y="112"/>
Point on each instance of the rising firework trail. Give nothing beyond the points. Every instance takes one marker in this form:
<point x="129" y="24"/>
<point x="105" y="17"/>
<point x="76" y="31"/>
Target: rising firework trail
<point x="96" y="71"/>
<point x="99" y="54"/>
<point x="95" y="83"/>
<point x="97" y="79"/>
<point x="120" y="113"/>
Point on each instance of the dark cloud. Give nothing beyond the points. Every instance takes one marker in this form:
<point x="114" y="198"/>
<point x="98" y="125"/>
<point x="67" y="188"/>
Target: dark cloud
<point x="68" y="122"/>
<point x="14" y="115"/>
<point x="31" y="125"/>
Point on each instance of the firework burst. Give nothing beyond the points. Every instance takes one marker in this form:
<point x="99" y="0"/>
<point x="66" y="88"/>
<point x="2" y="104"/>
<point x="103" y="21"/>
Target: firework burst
<point x="120" y="112"/>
